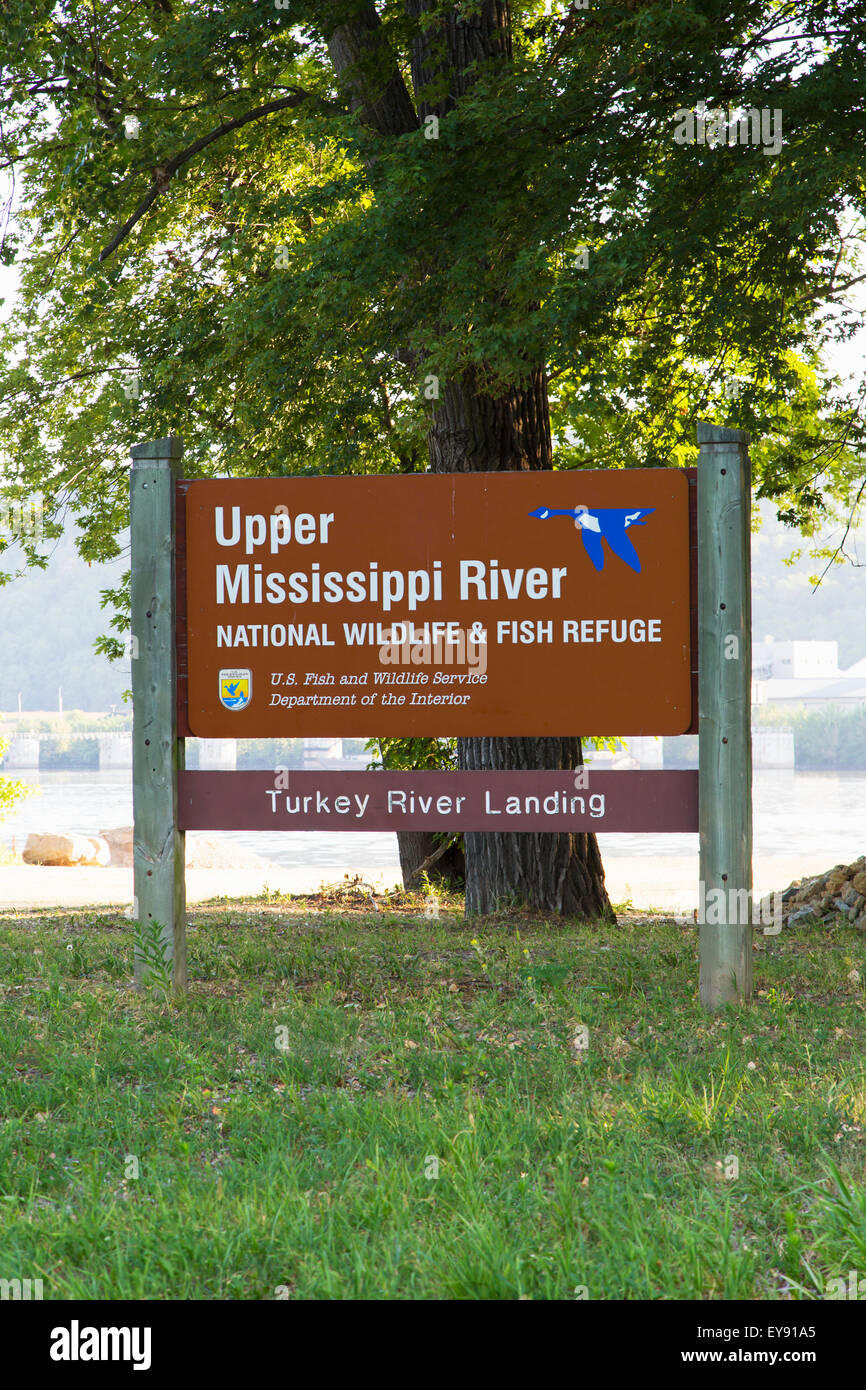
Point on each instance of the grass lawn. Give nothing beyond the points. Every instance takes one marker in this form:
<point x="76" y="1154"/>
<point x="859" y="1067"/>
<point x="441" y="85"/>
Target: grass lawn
<point x="378" y="1104"/>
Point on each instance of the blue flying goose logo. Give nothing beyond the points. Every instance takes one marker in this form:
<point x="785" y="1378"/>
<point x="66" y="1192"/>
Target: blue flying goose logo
<point x="605" y="523"/>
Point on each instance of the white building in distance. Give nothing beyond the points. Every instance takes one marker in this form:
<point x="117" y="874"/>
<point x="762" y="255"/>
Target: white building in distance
<point x="804" y="673"/>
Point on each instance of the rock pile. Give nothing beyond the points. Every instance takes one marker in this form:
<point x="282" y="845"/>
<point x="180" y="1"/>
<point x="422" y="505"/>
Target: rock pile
<point x="841" y="890"/>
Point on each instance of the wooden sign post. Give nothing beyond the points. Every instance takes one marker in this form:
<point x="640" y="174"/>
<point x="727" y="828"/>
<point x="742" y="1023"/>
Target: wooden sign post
<point x="500" y="604"/>
<point x="157" y="753"/>
<point x="724" y="702"/>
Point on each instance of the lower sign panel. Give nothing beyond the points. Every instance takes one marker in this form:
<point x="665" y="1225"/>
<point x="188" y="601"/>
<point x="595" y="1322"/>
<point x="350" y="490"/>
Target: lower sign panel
<point x="628" y="802"/>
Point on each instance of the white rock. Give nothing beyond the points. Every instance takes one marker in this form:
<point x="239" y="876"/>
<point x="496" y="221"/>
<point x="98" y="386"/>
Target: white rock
<point x="66" y="850"/>
<point x="101" y="852"/>
<point x="119" y="842"/>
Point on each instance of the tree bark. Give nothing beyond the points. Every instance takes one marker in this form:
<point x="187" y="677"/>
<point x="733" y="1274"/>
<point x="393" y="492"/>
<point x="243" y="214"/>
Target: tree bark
<point x="365" y="67"/>
<point x="472" y="432"/>
<point x="560" y="873"/>
<point x="446" y="50"/>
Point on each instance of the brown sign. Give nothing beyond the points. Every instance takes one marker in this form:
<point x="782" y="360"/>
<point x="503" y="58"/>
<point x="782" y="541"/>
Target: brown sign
<point x="571" y="800"/>
<point x="459" y="604"/>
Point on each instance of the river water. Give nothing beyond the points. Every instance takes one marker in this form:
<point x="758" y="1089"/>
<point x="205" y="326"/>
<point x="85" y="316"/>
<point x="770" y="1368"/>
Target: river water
<point x="819" y="813"/>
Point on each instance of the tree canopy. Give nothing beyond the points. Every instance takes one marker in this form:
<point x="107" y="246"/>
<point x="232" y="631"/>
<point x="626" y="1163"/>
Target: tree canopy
<point x="277" y="228"/>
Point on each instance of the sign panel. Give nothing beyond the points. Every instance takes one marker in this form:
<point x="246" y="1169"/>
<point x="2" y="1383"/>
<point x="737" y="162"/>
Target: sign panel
<point x="459" y="604"/>
<point x="576" y="801"/>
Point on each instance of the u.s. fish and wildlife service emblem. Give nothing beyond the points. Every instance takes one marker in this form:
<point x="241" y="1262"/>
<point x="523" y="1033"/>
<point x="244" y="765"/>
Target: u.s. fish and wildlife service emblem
<point x="236" y="688"/>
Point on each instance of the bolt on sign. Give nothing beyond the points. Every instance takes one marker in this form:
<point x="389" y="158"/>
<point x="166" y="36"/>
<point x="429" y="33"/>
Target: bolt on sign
<point x="487" y="604"/>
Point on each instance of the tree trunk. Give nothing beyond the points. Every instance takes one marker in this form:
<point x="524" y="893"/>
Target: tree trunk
<point x="554" y="872"/>
<point x="546" y="872"/>
<point x="472" y="431"/>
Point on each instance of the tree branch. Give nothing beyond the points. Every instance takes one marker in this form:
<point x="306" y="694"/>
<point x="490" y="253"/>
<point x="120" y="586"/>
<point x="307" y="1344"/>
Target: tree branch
<point x="431" y="859"/>
<point x="166" y="171"/>
<point x="827" y="292"/>
<point x="840" y="549"/>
